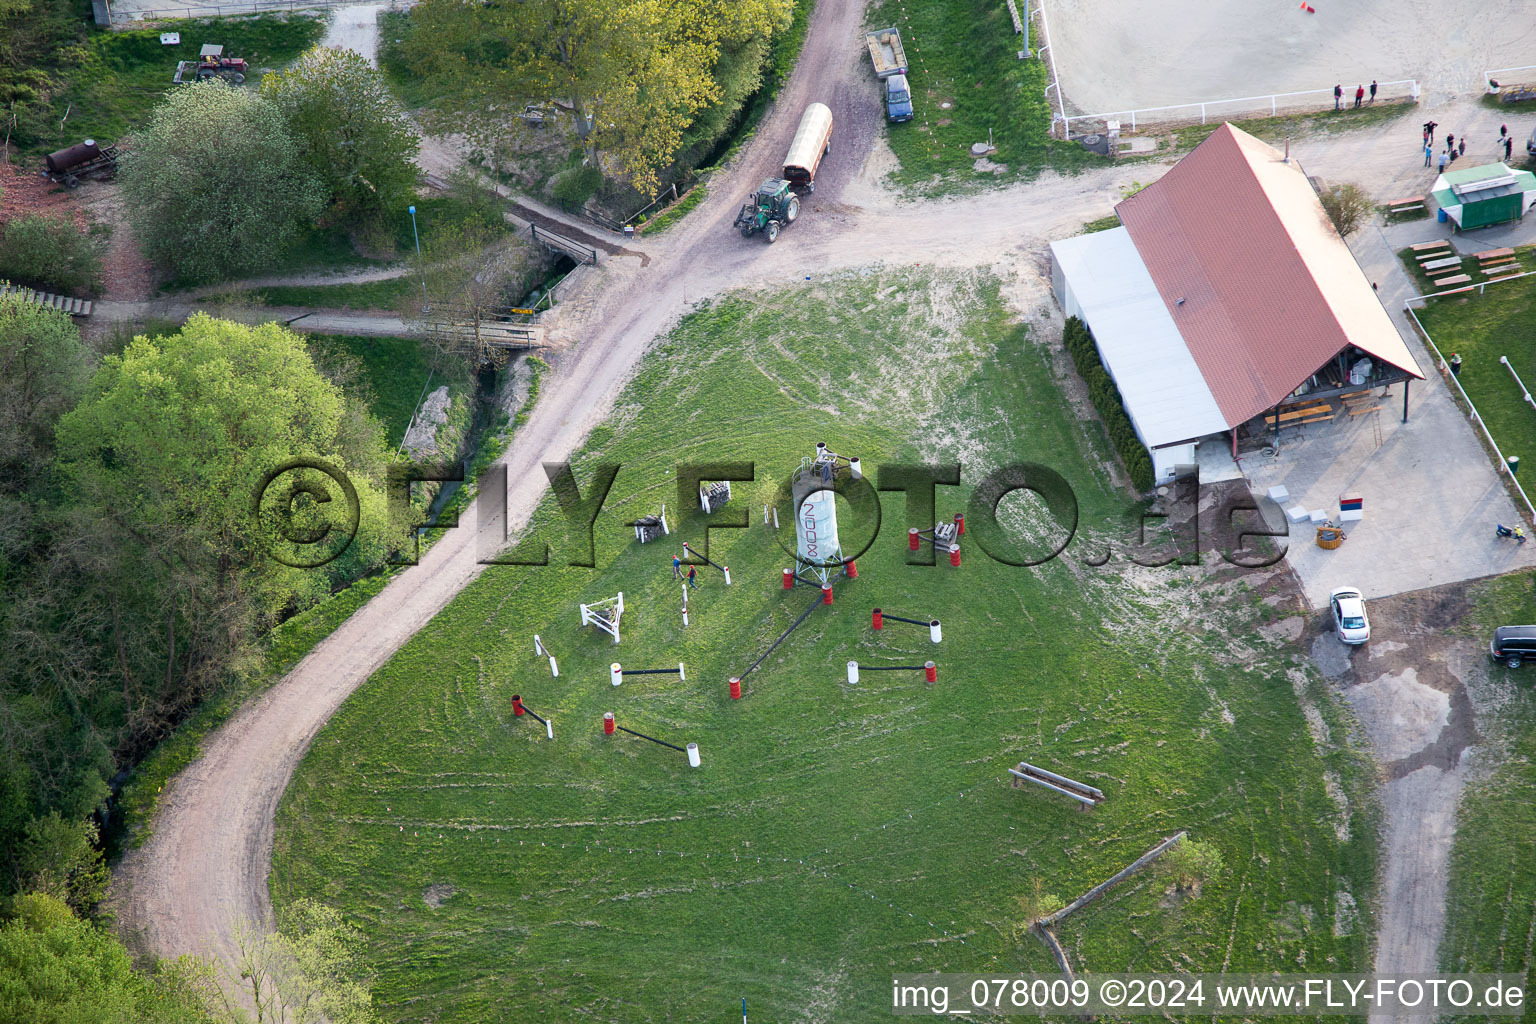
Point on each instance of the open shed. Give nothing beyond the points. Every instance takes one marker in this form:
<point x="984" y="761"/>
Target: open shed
<point x="1476" y="197"/>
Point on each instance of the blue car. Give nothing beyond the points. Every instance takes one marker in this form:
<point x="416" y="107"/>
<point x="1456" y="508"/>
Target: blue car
<point x="898" y="99"/>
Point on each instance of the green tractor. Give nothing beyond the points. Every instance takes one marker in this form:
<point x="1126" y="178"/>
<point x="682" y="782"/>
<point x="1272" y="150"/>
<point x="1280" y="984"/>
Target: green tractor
<point x="772" y="209"/>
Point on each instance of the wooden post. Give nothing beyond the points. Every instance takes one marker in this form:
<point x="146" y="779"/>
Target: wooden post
<point x="1405" y="399"/>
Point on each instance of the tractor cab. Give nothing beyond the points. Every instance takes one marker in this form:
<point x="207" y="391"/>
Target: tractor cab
<point x="771" y="209"/>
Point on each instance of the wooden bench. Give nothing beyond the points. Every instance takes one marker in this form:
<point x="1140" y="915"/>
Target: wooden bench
<point x="1505" y="268"/>
<point x="1428" y="246"/>
<point x="1361" y="410"/>
<point x="1441" y="262"/>
<point x="1506" y="261"/>
<point x="1296" y="417"/>
<point x="1401" y="205"/>
<point x="1458" y="279"/>
<point x="1493" y="254"/>
<point x="1454" y="268"/>
<point x="1496" y="280"/>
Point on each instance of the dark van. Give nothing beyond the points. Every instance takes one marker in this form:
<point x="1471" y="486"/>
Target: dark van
<point x="1513" y="644"/>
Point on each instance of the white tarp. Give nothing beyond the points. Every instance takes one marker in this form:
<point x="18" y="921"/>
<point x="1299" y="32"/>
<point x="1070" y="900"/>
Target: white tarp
<point x="1100" y="278"/>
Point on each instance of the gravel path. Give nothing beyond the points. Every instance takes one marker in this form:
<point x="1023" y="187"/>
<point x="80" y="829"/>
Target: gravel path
<point x="206" y="865"/>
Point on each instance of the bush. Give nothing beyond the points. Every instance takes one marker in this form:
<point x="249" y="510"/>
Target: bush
<point x="575" y="187"/>
<point x="50" y="253"/>
<point x="1106" y="400"/>
<point x="1347" y="206"/>
<point x="216" y="185"/>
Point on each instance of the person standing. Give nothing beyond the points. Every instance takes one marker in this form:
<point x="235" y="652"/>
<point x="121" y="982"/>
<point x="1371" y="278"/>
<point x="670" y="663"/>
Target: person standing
<point x="677" y="568"/>
<point x="1450" y="140"/>
<point x="693" y="577"/>
<point x="1428" y="153"/>
<point x="1373" y="90"/>
<point x="1359" y="95"/>
<point x="1429" y="130"/>
<point x="1338" y="96"/>
<point x="1443" y="162"/>
<point x="1461" y="147"/>
<point x="1509" y="144"/>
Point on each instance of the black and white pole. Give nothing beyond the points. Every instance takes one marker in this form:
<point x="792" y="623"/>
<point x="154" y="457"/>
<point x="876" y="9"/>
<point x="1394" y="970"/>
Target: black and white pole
<point x="723" y="568"/>
<point x="519" y="710"/>
<point x="539" y="648"/>
<point x="617" y="672"/>
<point x="685" y="604"/>
<point x="879" y="617"/>
<point x="929" y="670"/>
<point x="691" y="750"/>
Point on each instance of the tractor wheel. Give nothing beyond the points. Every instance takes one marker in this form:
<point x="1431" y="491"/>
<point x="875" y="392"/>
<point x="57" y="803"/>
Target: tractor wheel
<point x="746" y="231"/>
<point x="773" y="231"/>
<point x="237" y="78"/>
<point x="791" y="209"/>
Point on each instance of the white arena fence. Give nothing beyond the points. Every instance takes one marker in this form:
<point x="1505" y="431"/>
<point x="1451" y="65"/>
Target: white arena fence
<point x="1445" y="368"/>
<point x="1205" y="110"/>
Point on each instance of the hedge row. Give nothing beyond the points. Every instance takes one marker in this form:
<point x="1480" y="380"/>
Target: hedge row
<point x="1106" y="399"/>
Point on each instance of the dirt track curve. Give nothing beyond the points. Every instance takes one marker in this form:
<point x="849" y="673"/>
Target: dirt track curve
<point x="207" y="863"/>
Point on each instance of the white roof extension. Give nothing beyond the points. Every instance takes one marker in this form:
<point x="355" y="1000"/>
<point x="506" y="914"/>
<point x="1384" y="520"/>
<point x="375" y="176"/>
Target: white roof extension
<point x="1164" y="391"/>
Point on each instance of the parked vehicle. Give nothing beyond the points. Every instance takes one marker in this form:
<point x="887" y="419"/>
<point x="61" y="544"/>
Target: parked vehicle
<point x="1349" y="619"/>
<point x="886" y="53"/>
<point x="813" y="140"/>
<point x="1513" y="645"/>
<point x="68" y="166"/>
<point x="211" y="64"/>
<point x="898" y="99"/>
<point x="773" y="208"/>
<point x="1530" y="145"/>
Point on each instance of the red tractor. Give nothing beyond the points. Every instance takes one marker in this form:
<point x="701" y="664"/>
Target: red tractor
<point x="210" y="64"/>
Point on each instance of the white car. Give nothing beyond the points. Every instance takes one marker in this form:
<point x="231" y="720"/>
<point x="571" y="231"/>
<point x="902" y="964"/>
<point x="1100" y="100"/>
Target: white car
<point x="1349" y="619"/>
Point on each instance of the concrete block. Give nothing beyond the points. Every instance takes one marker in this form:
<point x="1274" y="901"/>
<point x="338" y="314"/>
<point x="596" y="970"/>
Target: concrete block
<point x="1296" y="513"/>
<point x="1279" y="495"/>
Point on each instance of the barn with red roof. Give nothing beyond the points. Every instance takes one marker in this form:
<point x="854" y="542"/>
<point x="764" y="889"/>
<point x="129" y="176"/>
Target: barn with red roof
<point x="1225" y="295"/>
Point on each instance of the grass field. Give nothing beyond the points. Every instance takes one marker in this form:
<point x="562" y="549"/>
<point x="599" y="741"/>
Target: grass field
<point x="964" y="53"/>
<point x="834" y="834"/>
<point x="116" y="78"/>
<point x="1491" y="910"/>
<point x="1481" y="328"/>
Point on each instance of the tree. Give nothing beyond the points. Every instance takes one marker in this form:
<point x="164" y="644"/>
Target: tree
<point x="163" y="460"/>
<point x="1191" y="863"/>
<point x="636" y="72"/>
<point x="57" y="969"/>
<point x="59" y="859"/>
<point x="50" y="253"/>
<point x="1347" y="206"/>
<point x="311" y="971"/>
<point x="215" y="184"/>
<point x="350" y="130"/>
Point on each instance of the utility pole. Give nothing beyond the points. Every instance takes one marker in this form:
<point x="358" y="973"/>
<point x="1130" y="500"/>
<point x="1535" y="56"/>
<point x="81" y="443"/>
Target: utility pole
<point x="420" y="267"/>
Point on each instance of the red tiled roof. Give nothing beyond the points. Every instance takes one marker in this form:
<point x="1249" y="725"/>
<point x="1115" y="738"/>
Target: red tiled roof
<point x="1262" y="287"/>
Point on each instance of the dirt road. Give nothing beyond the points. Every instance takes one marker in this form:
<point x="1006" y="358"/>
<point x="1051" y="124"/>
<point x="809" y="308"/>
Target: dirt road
<point x="207" y="864"/>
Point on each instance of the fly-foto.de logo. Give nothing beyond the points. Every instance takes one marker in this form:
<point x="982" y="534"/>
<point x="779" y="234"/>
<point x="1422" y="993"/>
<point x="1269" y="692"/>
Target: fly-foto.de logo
<point x="306" y="512"/>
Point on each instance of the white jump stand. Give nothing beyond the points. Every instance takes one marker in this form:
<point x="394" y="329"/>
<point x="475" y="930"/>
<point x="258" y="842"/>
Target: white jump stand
<point x="1296" y="513"/>
<point x="1279" y="495"/>
<point x="1351" y="515"/>
<point x="1318" y="515"/>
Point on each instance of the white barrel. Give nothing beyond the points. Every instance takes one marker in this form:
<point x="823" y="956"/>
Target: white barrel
<point x="855" y="469"/>
<point x="549" y="727"/>
<point x="685" y="616"/>
<point x="727" y="575"/>
<point x="554" y="669"/>
<point x="693" y="755"/>
<point x="680" y="673"/>
<point x="538" y="645"/>
<point x="616" y="673"/>
<point x="935" y="631"/>
<point x="853" y="672"/>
